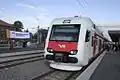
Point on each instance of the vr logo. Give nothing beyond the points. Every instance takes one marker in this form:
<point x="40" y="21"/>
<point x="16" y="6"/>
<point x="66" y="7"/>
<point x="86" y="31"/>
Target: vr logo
<point x="62" y="46"/>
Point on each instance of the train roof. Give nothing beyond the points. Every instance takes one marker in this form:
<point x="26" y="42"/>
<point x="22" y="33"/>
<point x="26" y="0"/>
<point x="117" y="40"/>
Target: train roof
<point x="98" y="30"/>
<point x="73" y="20"/>
<point x="77" y="20"/>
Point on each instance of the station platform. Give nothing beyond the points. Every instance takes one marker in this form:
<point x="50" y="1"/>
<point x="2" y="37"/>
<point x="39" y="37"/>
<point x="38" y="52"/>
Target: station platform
<point x="109" y="67"/>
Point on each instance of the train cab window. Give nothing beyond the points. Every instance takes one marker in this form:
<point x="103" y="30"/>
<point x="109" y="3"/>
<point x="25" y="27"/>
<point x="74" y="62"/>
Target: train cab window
<point x="92" y="40"/>
<point x="87" y="38"/>
<point x="65" y="33"/>
<point x="94" y="26"/>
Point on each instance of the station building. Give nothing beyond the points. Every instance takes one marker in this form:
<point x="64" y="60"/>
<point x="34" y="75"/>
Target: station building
<point x="3" y="27"/>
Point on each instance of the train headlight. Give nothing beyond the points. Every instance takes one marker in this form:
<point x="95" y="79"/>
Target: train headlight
<point x="73" y="52"/>
<point x="49" y="50"/>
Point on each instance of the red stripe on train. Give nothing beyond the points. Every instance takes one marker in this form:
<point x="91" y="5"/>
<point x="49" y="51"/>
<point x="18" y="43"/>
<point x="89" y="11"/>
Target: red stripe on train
<point x="62" y="46"/>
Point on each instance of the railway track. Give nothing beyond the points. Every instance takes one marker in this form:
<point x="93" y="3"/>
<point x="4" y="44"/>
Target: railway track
<point x="19" y="62"/>
<point x="8" y="60"/>
<point x="64" y="75"/>
<point x="14" y="54"/>
<point x="60" y="75"/>
<point x="16" y="58"/>
<point x="54" y="75"/>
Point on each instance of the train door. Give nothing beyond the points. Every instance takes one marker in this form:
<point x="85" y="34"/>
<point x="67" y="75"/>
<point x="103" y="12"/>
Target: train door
<point x="87" y="44"/>
<point x="94" y="44"/>
<point x="99" y="45"/>
<point x="102" y="44"/>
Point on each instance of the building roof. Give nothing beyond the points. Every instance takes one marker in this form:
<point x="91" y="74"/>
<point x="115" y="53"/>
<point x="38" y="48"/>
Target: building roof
<point x="3" y="23"/>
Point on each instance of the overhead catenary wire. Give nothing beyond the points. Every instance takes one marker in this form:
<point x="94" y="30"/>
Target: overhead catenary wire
<point x="80" y="3"/>
<point x="85" y="1"/>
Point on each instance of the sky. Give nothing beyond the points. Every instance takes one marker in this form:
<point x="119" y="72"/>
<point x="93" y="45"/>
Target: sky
<point x="41" y="12"/>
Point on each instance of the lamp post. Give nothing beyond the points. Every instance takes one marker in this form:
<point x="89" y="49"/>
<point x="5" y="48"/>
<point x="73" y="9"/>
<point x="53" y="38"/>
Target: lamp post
<point x="39" y="35"/>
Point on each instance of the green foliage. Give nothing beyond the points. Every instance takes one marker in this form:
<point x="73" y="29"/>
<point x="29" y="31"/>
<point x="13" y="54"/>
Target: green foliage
<point x="43" y="32"/>
<point x="18" y="25"/>
<point x="34" y="36"/>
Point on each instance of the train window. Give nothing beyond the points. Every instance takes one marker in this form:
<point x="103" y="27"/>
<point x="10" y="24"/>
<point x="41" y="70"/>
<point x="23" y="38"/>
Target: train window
<point x="87" y="36"/>
<point x="65" y="32"/>
<point x="99" y="44"/>
<point x="94" y="26"/>
<point x="96" y="41"/>
<point x="92" y="41"/>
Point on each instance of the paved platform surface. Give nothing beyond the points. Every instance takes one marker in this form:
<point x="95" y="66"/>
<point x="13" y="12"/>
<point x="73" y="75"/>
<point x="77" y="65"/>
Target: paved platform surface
<point x="27" y="71"/>
<point x="109" y="67"/>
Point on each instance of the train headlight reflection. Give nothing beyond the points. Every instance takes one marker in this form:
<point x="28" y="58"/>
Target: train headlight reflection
<point x="73" y="52"/>
<point x="49" y="50"/>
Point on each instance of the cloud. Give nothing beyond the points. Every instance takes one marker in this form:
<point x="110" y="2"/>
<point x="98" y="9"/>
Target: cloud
<point x="36" y="10"/>
<point x="29" y="18"/>
<point x="107" y="22"/>
<point x="43" y="9"/>
<point x="32" y="6"/>
<point x="26" y="5"/>
<point x="1" y="9"/>
<point x="30" y="22"/>
<point x="43" y="22"/>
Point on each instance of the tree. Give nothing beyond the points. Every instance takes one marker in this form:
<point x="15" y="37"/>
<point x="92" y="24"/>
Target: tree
<point x="44" y="34"/>
<point x="18" y="25"/>
<point x="35" y="36"/>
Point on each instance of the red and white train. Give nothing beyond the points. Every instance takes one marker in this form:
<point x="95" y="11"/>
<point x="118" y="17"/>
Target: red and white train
<point x="71" y="43"/>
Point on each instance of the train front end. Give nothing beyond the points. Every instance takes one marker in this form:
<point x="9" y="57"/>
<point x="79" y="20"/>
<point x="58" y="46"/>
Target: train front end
<point x="62" y="46"/>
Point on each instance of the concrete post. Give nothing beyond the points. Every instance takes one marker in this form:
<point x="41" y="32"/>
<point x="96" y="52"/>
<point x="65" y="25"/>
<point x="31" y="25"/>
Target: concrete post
<point x="11" y="44"/>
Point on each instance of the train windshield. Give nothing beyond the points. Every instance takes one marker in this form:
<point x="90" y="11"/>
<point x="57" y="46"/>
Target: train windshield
<point x="65" y="33"/>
